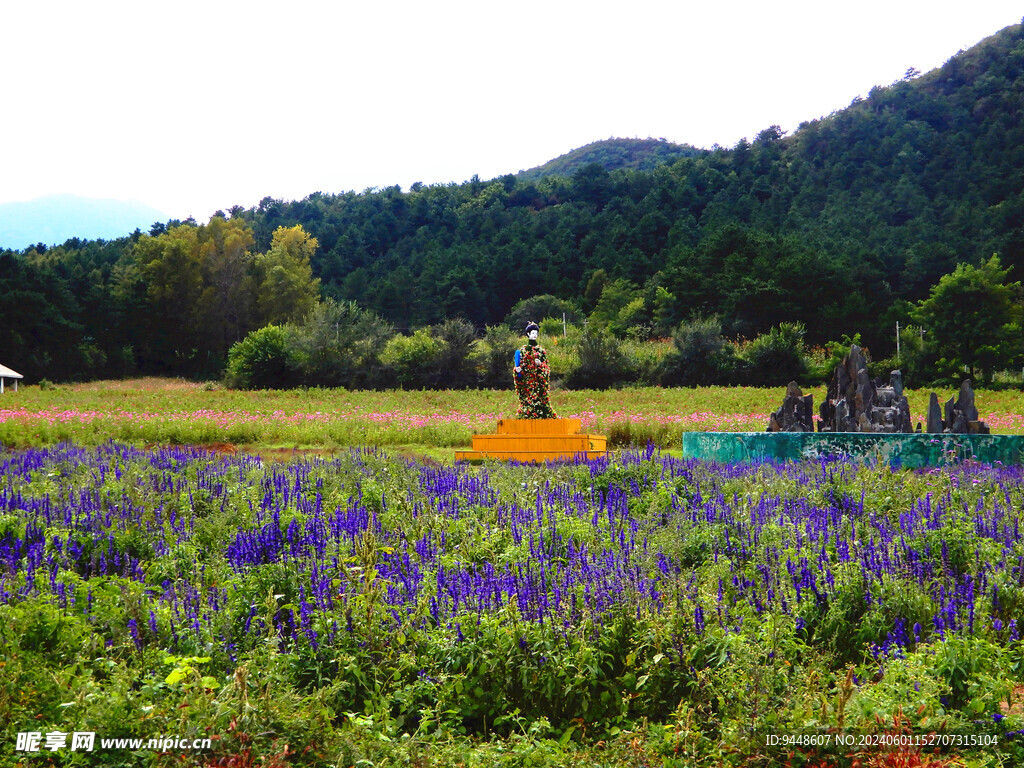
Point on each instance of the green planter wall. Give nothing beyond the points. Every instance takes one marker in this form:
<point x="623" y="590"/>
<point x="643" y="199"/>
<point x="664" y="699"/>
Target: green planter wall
<point x="906" y="450"/>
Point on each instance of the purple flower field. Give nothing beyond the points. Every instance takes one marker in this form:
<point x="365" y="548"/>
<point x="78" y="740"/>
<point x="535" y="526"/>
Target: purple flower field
<point x="486" y="590"/>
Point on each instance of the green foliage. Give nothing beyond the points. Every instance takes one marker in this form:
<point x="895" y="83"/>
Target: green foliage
<point x="553" y="326"/>
<point x="701" y="356"/>
<point x="265" y="359"/>
<point x="613" y="154"/>
<point x="822" y="361"/>
<point x="594" y="288"/>
<point x="615" y="297"/>
<point x="665" y="312"/>
<point x="456" y="366"/>
<point x="830" y="226"/>
<point x="602" y="362"/>
<point x="496" y="353"/>
<point x="774" y="358"/>
<point x="632" y="320"/>
<point x="339" y="344"/>
<point x="287" y="290"/>
<point x="413" y="359"/>
<point x="912" y="361"/>
<point x="647" y="682"/>
<point x="973" y="320"/>
<point x="537" y="308"/>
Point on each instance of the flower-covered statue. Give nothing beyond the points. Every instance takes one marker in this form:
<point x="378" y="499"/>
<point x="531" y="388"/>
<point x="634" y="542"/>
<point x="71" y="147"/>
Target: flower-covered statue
<point x="532" y="376"/>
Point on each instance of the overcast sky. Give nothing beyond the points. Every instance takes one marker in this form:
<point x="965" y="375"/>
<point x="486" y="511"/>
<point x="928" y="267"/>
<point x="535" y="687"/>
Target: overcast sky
<point x="194" y="106"/>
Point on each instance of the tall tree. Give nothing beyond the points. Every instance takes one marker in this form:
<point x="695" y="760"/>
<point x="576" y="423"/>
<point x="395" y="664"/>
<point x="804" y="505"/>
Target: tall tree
<point x="227" y="307"/>
<point x="287" y="289"/>
<point x="973" y="319"/>
<point x="170" y="267"/>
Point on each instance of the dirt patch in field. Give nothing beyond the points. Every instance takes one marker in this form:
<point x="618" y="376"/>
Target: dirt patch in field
<point x="287" y="454"/>
<point x="1016" y="703"/>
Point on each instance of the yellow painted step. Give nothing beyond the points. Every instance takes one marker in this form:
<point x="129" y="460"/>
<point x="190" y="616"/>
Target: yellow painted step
<point x="535" y="440"/>
<point x="531" y="456"/>
<point x="557" y="443"/>
<point x="538" y="426"/>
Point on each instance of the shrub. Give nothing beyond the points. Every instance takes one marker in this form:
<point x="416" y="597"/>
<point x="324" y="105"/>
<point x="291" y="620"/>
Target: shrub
<point x="552" y="326"/>
<point x="775" y="358"/>
<point x="915" y="361"/>
<point x="701" y="356"/>
<point x="632" y="320"/>
<point x="494" y="356"/>
<point x="339" y="344"/>
<point x="616" y="296"/>
<point x="265" y="359"/>
<point x="535" y="308"/>
<point x="602" y="362"/>
<point x="413" y="360"/>
<point x="455" y="368"/>
<point x="646" y="359"/>
<point x="822" y="361"/>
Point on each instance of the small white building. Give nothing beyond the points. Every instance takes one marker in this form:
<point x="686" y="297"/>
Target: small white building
<point x="7" y="373"/>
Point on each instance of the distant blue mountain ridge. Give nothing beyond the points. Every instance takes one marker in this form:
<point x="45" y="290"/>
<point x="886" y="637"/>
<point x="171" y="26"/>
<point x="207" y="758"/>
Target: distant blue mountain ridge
<point x="54" y="219"/>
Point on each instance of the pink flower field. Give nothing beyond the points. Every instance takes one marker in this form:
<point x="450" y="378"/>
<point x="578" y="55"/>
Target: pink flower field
<point x="175" y="412"/>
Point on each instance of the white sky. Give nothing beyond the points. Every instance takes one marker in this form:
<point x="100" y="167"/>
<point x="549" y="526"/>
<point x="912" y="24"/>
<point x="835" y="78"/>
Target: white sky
<point x="194" y="106"/>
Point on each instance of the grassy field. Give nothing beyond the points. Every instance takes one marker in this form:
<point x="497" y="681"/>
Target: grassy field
<point x="164" y="411"/>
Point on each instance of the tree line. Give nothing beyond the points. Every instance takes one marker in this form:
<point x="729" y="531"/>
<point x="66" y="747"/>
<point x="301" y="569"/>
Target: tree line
<point x="168" y="303"/>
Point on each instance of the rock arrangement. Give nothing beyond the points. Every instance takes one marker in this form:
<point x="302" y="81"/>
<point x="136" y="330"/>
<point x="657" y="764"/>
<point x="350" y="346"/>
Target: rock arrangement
<point x="796" y="413"/>
<point x="855" y="403"/>
<point x="961" y="417"/>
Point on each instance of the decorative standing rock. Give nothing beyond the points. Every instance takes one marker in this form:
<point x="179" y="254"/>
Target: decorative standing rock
<point x="854" y="403"/>
<point x="965" y="403"/>
<point x="934" y="415"/>
<point x="795" y="415"/>
<point x="896" y="382"/>
<point x="962" y="415"/>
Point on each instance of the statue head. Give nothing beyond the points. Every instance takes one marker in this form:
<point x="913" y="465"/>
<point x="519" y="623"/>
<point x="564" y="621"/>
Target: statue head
<point x="532" y="331"/>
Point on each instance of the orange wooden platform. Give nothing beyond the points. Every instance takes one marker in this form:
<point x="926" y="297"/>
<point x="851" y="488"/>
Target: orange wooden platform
<point x="535" y="440"/>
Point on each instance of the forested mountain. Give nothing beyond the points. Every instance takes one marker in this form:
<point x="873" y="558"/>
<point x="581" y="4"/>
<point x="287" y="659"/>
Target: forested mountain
<point x="837" y="226"/>
<point x="613" y="155"/>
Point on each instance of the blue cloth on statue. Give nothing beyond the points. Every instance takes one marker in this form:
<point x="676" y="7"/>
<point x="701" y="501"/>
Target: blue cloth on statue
<point x="518" y="357"/>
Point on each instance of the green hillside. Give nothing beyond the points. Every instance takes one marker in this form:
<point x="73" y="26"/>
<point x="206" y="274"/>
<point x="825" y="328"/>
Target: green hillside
<point x="612" y="155"/>
<point x="837" y="226"/>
